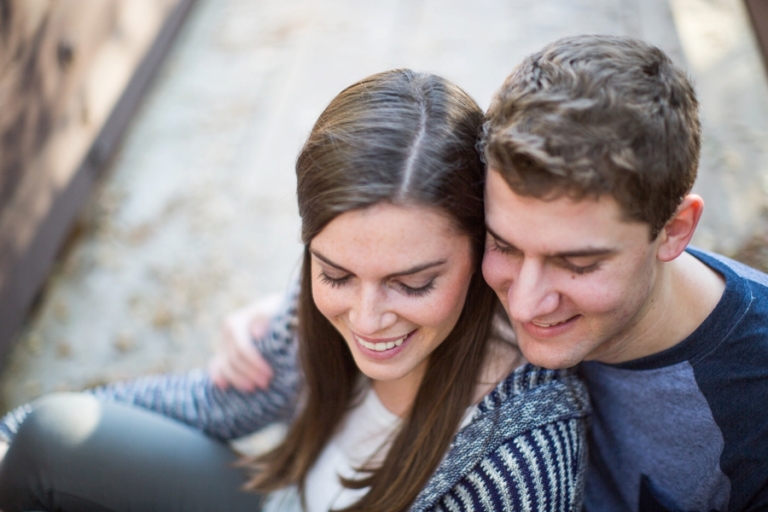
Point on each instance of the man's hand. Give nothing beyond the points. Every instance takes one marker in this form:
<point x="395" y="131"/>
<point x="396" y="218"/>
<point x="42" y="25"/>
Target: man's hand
<point x="238" y="363"/>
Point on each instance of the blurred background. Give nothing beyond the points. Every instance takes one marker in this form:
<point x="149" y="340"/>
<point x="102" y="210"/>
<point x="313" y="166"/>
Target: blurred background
<point x="162" y="136"/>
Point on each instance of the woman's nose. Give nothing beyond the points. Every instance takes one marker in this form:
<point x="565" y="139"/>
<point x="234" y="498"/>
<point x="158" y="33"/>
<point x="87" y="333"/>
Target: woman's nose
<point x="370" y="314"/>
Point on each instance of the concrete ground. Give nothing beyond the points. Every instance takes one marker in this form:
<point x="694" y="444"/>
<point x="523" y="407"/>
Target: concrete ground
<point x="197" y="214"/>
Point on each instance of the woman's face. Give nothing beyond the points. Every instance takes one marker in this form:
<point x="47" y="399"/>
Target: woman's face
<point x="393" y="281"/>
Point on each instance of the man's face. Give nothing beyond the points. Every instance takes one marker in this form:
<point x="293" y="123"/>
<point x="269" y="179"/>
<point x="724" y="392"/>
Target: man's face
<point x="577" y="281"/>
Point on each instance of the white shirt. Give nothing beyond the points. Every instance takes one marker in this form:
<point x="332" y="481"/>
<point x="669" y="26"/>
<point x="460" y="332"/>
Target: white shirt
<point x="364" y="437"/>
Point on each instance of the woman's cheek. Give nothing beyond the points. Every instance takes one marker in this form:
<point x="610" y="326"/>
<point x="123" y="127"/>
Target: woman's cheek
<point x="328" y="301"/>
<point x="447" y="304"/>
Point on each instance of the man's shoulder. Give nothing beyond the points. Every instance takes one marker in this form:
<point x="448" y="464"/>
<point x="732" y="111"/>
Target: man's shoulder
<point x="723" y="263"/>
<point x="694" y="409"/>
<point x="743" y="309"/>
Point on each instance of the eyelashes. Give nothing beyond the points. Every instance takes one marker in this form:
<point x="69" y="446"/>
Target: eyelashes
<point x="581" y="270"/>
<point x="334" y="282"/>
<point x="418" y="292"/>
<point x="500" y="248"/>
<point x="338" y="282"/>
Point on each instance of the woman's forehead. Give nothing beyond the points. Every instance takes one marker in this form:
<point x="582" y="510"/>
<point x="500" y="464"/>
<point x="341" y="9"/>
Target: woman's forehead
<point x="388" y="236"/>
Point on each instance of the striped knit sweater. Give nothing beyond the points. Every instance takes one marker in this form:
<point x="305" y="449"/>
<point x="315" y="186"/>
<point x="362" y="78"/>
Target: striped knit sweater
<point x="525" y="448"/>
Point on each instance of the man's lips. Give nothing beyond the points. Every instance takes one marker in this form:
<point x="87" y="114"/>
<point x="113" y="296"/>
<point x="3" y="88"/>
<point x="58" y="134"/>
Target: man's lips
<point x="549" y="329"/>
<point x="549" y="324"/>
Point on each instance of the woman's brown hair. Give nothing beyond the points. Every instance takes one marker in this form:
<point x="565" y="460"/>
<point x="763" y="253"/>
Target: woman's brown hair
<point x="405" y="138"/>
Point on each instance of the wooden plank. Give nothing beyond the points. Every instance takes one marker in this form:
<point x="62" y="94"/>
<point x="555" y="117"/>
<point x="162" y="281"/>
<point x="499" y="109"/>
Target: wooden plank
<point x="71" y="74"/>
<point x="758" y="13"/>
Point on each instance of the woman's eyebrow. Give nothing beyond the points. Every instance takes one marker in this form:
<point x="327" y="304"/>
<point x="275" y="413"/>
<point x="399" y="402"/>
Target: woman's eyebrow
<point x="327" y="261"/>
<point x="417" y="268"/>
<point x="413" y="270"/>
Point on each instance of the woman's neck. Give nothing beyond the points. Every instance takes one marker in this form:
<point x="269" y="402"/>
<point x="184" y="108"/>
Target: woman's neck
<point x="398" y="395"/>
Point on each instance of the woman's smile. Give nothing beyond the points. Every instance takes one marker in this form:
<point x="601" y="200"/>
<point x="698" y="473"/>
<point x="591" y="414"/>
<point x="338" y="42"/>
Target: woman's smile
<point x="382" y="345"/>
<point x="393" y="281"/>
<point x="382" y="348"/>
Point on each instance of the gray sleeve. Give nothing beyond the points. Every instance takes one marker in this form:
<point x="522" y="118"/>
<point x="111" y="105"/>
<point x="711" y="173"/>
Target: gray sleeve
<point x="193" y="399"/>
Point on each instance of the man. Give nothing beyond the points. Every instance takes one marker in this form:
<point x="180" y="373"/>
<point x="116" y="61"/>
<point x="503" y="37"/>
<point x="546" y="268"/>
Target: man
<point x="592" y="147"/>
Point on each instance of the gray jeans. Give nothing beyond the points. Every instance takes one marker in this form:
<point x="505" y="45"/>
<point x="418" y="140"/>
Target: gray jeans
<point x="74" y="453"/>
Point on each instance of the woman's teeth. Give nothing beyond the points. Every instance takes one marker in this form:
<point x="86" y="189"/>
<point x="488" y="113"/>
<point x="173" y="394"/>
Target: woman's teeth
<point x="381" y="346"/>
<point x="541" y="324"/>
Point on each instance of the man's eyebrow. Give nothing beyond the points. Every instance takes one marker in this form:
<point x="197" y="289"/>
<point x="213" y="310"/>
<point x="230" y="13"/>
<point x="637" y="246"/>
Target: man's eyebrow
<point x="407" y="272"/>
<point x="577" y="253"/>
<point x="596" y="251"/>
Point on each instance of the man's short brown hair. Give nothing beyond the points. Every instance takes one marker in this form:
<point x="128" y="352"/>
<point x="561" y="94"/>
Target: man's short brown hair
<point x="594" y="115"/>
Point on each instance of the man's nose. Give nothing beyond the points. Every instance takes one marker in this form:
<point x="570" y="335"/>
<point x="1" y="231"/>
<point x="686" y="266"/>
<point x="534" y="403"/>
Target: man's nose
<point x="531" y="295"/>
<point x="370" y="314"/>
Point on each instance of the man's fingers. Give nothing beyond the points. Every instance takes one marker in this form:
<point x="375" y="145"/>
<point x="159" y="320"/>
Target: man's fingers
<point x="258" y="326"/>
<point x="214" y="371"/>
<point x="243" y="347"/>
<point x="224" y="374"/>
<point x="243" y="362"/>
<point x="253" y="361"/>
<point x="243" y="355"/>
<point x="239" y="363"/>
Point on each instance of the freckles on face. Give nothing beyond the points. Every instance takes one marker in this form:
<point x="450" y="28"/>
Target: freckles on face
<point x="393" y="281"/>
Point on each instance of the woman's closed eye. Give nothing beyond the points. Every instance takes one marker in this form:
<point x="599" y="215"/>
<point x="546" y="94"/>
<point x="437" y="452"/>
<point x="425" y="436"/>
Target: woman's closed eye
<point x="334" y="281"/>
<point x="411" y="290"/>
<point x="417" y="291"/>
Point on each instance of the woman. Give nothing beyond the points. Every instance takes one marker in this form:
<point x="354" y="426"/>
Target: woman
<point x="403" y="400"/>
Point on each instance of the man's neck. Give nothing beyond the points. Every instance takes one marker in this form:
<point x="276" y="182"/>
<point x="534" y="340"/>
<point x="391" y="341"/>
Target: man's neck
<point x="688" y="291"/>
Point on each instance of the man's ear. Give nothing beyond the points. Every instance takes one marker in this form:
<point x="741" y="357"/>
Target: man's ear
<point x="678" y="231"/>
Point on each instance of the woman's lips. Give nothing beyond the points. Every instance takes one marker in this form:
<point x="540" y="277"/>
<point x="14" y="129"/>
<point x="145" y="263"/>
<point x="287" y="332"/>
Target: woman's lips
<point x="381" y="344"/>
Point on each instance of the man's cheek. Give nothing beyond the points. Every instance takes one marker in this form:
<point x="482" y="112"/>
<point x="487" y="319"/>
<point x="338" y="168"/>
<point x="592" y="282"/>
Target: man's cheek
<point x="600" y="297"/>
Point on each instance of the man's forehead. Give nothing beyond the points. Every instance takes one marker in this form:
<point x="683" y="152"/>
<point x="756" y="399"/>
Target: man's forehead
<point x="502" y="198"/>
<point x="564" y="222"/>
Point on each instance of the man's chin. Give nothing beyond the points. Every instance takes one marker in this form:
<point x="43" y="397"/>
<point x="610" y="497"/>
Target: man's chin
<point x="548" y="356"/>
